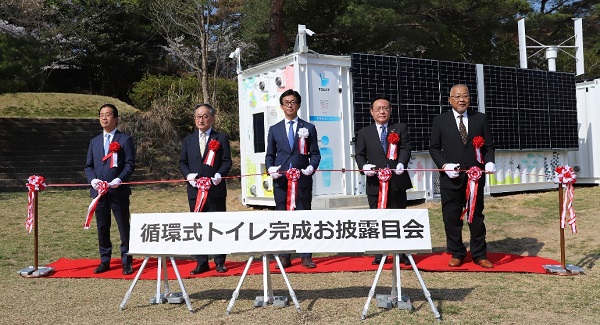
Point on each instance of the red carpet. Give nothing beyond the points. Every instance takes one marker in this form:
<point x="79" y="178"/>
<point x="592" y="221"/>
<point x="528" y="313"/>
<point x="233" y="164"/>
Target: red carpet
<point x="435" y="262"/>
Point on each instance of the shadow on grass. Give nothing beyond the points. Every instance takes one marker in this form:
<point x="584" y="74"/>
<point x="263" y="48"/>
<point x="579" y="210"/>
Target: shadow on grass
<point x="589" y="261"/>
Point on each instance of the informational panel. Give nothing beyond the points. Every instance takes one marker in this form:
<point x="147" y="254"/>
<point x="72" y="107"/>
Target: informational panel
<point x="325" y="114"/>
<point x="303" y="231"/>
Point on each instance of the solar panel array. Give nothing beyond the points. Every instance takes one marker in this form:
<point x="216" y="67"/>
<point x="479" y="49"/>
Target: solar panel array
<point x="527" y="109"/>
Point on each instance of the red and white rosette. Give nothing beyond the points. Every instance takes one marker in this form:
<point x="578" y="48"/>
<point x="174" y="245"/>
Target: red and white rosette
<point x="34" y="184"/>
<point x="384" y="176"/>
<point x="292" y="175"/>
<point x="566" y="176"/>
<point x="102" y="189"/>
<point x="302" y="142"/>
<point x="392" y="150"/>
<point x="203" y="184"/>
<point x="478" y="143"/>
<point x="213" y="146"/>
<point x="113" y="149"/>
<point x="474" y="174"/>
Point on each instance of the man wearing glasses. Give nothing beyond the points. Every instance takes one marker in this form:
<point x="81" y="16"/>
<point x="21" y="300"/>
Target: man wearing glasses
<point x="382" y="145"/>
<point x="292" y="143"/>
<point x="111" y="158"/>
<point x="206" y="153"/>
<point x="452" y="148"/>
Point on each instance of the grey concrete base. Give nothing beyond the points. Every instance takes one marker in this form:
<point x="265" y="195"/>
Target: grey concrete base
<point x="325" y="202"/>
<point x="569" y="269"/>
<point x="31" y="272"/>
<point x="387" y="302"/>
<point x="278" y="301"/>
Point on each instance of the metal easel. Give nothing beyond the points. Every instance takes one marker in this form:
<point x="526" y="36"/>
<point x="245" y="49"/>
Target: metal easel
<point x="267" y="297"/>
<point x="396" y="298"/>
<point x="167" y="295"/>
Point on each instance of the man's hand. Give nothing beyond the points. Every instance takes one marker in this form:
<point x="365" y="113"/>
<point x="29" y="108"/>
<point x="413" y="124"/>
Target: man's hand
<point x="191" y="178"/>
<point x="115" y="183"/>
<point x="94" y="183"/>
<point x="274" y="172"/>
<point x="490" y="168"/>
<point x="399" y="169"/>
<point x="368" y="170"/>
<point x="308" y="170"/>
<point x="451" y="170"/>
<point x="216" y="179"/>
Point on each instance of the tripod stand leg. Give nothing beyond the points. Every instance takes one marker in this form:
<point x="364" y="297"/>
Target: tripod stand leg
<point x="425" y="291"/>
<point x="372" y="291"/>
<point x="184" y="293"/>
<point x="166" y="290"/>
<point x="287" y="282"/>
<point x="239" y="286"/>
<point x="137" y="276"/>
<point x="396" y="294"/>
<point x="267" y="284"/>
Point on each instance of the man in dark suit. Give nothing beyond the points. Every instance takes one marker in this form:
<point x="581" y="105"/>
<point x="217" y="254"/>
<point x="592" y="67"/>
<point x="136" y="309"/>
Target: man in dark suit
<point x="114" y="171"/>
<point x="284" y="152"/>
<point x="197" y="160"/>
<point x="373" y="152"/>
<point x="452" y="150"/>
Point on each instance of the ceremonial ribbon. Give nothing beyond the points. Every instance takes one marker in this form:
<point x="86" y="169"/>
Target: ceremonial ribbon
<point x="213" y="146"/>
<point x="302" y="143"/>
<point x="102" y="188"/>
<point x="293" y="174"/>
<point x="478" y="143"/>
<point x="384" y="176"/>
<point x="203" y="184"/>
<point x="474" y="174"/>
<point x="113" y="148"/>
<point x="565" y="176"/>
<point x="392" y="151"/>
<point x="34" y="184"/>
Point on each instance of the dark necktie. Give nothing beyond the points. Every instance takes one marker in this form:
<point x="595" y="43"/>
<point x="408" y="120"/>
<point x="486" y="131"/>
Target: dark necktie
<point x="383" y="138"/>
<point x="463" y="130"/>
<point x="291" y="134"/>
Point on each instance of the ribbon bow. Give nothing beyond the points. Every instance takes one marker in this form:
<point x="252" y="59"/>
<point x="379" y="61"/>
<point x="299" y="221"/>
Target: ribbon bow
<point x="113" y="149"/>
<point x="213" y="146"/>
<point x="474" y="173"/>
<point x="293" y="175"/>
<point x="34" y="184"/>
<point x="203" y="184"/>
<point x="102" y="188"/>
<point x="384" y="176"/>
<point x="566" y="176"/>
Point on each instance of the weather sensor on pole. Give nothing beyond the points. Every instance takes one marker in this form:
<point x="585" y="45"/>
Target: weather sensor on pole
<point x="552" y="50"/>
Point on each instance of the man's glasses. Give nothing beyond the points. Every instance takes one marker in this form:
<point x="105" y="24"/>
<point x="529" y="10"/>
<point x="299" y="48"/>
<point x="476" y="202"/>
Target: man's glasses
<point x="457" y="97"/>
<point x="288" y="103"/>
<point x="381" y="109"/>
<point x="200" y="117"/>
<point x="106" y="115"/>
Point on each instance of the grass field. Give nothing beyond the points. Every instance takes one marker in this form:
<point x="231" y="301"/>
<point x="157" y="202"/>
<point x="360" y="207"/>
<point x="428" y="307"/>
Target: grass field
<point x="524" y="224"/>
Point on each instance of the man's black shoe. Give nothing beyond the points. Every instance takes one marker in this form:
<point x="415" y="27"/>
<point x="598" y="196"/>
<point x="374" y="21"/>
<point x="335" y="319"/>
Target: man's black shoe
<point x="200" y="268"/>
<point x="404" y="259"/>
<point x="221" y="268"/>
<point x="127" y="269"/>
<point x="103" y="267"/>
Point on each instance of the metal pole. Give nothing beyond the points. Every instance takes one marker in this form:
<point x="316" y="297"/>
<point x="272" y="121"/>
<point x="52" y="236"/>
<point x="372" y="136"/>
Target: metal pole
<point x="35" y="230"/>
<point x="562" y="229"/>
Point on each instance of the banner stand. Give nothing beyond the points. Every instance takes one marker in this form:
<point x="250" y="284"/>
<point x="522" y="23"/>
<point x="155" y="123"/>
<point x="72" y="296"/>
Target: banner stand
<point x="35" y="271"/>
<point x="267" y="297"/>
<point x="396" y="298"/>
<point x="167" y="295"/>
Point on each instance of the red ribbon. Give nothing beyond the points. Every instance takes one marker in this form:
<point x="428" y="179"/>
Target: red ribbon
<point x="203" y="184"/>
<point x="478" y="143"/>
<point x="293" y="174"/>
<point x="213" y="146"/>
<point x="303" y="146"/>
<point x="384" y="176"/>
<point x="474" y="174"/>
<point x="34" y="184"/>
<point x="392" y="150"/>
<point x="113" y="148"/>
<point x="102" y="189"/>
<point x="565" y="176"/>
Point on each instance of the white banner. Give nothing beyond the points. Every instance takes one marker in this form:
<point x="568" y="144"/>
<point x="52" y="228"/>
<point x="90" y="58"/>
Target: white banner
<point x="268" y="232"/>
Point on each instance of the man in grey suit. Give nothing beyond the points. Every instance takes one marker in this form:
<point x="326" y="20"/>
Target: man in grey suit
<point x="373" y="152"/>
<point x="284" y="152"/>
<point x="197" y="160"/>
<point x="98" y="167"/>
<point x="452" y="149"/>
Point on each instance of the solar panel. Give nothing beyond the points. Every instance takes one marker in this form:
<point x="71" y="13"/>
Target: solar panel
<point x="527" y="109"/>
